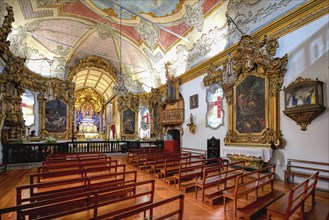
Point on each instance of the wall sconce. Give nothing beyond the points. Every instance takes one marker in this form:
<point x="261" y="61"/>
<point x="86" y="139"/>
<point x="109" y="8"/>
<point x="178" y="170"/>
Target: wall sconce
<point x="191" y="125"/>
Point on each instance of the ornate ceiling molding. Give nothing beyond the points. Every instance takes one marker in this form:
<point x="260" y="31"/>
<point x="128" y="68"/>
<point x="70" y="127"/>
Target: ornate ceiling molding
<point x="194" y="16"/>
<point x="104" y="31"/>
<point x="92" y="62"/>
<point x="28" y="12"/>
<point x="299" y="17"/>
<point x="148" y="32"/>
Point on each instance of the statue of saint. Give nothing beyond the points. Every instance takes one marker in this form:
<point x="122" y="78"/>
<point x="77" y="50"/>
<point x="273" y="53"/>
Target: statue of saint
<point x="171" y="90"/>
<point x="87" y="112"/>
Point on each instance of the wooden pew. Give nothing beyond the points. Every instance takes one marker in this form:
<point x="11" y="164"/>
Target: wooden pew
<point x="215" y="176"/>
<point x="305" y="168"/>
<point x="172" y="165"/>
<point x="134" y="154"/>
<point x="189" y="172"/>
<point x="294" y="199"/>
<point x="75" y="172"/>
<point x="55" y="207"/>
<point x="130" y="212"/>
<point x="248" y="183"/>
<point x="76" y="160"/>
<point x="74" y="156"/>
<point x="159" y="162"/>
<point x="69" y="165"/>
<point x="40" y="191"/>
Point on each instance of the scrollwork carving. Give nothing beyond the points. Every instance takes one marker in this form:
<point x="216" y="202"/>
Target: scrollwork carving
<point x="131" y="101"/>
<point x="253" y="58"/>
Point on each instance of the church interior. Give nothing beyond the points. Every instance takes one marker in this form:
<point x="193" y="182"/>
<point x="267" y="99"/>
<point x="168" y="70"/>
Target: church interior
<point x="164" y="109"/>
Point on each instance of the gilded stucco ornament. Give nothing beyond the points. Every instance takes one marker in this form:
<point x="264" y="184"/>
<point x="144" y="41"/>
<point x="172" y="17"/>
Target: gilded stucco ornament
<point x="194" y="16"/>
<point x="148" y="32"/>
<point x="253" y="58"/>
<point x="11" y="79"/>
<point x="131" y="101"/>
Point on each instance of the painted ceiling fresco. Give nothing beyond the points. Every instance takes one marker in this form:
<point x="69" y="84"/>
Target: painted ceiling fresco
<point x="156" y="8"/>
<point x="137" y="35"/>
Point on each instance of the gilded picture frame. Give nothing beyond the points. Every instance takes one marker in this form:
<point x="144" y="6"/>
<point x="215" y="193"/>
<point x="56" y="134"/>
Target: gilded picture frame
<point x="129" y="123"/>
<point x="56" y="117"/>
<point x="252" y="93"/>
<point x="194" y="102"/>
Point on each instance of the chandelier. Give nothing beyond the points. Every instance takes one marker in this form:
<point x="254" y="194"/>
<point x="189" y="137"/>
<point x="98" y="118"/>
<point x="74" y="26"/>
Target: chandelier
<point x="49" y="92"/>
<point x="229" y="75"/>
<point x="120" y="89"/>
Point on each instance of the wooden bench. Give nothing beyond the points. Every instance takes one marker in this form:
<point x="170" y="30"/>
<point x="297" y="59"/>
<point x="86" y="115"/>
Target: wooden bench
<point x="78" y="159"/>
<point x="61" y="187"/>
<point x="125" y="214"/>
<point x="248" y="183"/>
<point x="215" y="176"/>
<point x="258" y="206"/>
<point x="189" y="172"/>
<point x="46" y="167"/>
<point x="58" y="206"/>
<point x="159" y="162"/>
<point x="75" y="172"/>
<point x="72" y="156"/>
<point x="294" y="199"/>
<point x="172" y="165"/>
<point x="304" y="168"/>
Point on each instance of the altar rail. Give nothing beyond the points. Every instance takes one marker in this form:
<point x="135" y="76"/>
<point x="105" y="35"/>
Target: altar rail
<point x="37" y="152"/>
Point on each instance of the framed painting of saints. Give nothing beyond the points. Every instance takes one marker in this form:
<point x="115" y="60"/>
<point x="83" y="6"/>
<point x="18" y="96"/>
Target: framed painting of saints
<point x="55" y="116"/>
<point x="129" y="122"/>
<point x="194" y="101"/>
<point x="250" y="105"/>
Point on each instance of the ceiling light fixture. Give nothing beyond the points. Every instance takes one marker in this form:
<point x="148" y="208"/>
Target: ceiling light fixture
<point x="229" y="75"/>
<point x="49" y="93"/>
<point x="120" y="89"/>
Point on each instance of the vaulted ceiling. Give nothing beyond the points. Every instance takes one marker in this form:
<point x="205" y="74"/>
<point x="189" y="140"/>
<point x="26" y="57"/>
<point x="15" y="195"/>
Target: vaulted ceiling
<point x="138" y="35"/>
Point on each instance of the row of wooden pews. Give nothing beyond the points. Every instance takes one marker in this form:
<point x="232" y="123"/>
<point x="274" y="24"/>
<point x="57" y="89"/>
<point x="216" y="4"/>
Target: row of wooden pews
<point x="91" y="186"/>
<point x="218" y="176"/>
<point x="219" y="179"/>
<point x="295" y="199"/>
<point x="252" y="182"/>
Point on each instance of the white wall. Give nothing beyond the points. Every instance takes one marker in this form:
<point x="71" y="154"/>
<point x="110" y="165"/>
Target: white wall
<point x="307" y="50"/>
<point x="202" y="133"/>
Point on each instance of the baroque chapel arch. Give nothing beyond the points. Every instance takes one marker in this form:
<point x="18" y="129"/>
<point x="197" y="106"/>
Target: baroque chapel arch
<point x="95" y="72"/>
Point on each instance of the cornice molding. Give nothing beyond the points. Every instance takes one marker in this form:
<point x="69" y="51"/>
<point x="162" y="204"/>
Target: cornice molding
<point x="297" y="18"/>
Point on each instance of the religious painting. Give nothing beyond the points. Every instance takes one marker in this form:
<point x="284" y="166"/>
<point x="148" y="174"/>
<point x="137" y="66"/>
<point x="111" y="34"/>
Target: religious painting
<point x="215" y="113"/>
<point x="156" y="119"/>
<point x="158" y="8"/>
<point x="128" y="122"/>
<point x="28" y="108"/>
<point x="304" y="101"/>
<point x="56" y="116"/>
<point x="250" y="105"/>
<point x="302" y="92"/>
<point x="251" y="80"/>
<point x="194" y="101"/>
